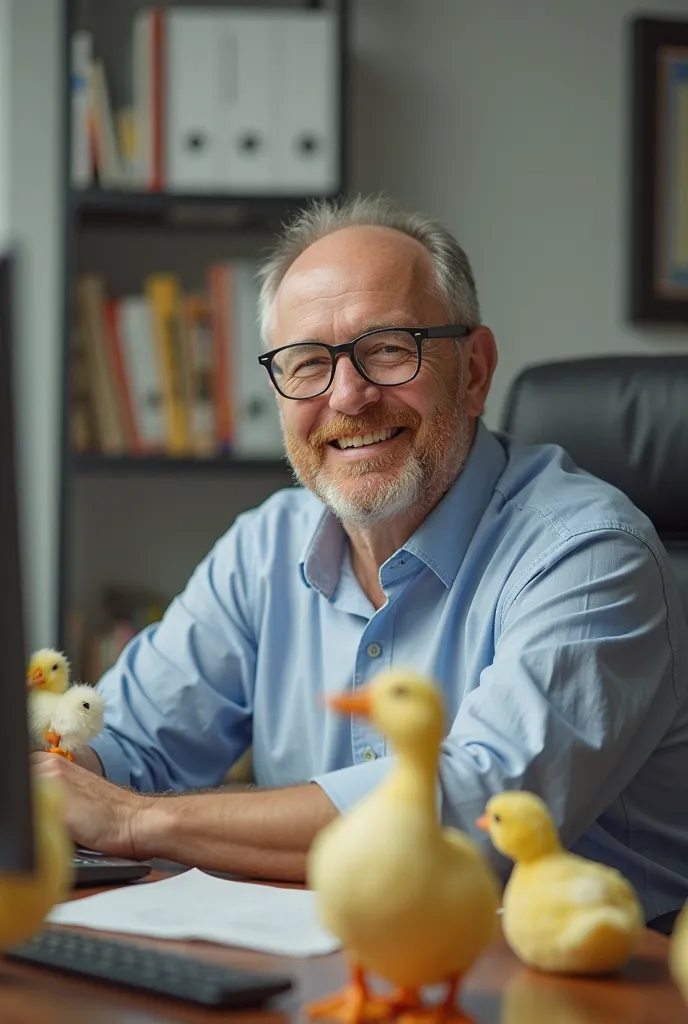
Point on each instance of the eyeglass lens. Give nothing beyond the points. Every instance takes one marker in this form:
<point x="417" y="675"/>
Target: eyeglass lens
<point x="303" y="371"/>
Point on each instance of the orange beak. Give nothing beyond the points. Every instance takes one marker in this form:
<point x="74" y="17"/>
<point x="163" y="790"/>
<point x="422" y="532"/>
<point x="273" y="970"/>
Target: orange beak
<point x="36" y="678"/>
<point x="352" y="703"/>
<point x="483" y="823"/>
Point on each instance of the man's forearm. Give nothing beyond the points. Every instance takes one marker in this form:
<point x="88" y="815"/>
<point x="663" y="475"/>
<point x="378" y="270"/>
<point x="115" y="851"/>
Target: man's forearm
<point x="261" y="833"/>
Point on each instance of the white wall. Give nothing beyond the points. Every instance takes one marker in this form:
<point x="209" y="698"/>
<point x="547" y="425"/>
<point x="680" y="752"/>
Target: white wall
<point x="507" y="119"/>
<point x="30" y="165"/>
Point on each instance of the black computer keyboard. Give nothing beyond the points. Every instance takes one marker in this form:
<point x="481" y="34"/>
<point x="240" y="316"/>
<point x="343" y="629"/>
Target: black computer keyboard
<point x="149" y="970"/>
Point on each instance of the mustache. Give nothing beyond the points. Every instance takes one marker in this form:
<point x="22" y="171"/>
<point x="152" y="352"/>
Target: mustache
<point x="350" y="426"/>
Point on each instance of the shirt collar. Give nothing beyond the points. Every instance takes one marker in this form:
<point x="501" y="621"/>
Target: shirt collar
<point x="440" y="541"/>
<point x="321" y="560"/>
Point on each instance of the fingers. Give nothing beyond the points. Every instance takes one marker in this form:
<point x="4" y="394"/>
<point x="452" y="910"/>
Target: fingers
<point x="54" y="765"/>
<point x="40" y="756"/>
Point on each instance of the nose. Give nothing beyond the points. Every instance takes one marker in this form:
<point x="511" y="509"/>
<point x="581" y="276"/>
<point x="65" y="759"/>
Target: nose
<point x="350" y="393"/>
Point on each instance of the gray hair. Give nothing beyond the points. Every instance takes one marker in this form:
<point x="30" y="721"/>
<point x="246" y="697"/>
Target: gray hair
<point x="454" y="279"/>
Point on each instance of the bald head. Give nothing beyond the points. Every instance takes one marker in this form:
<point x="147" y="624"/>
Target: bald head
<point x="355" y="278"/>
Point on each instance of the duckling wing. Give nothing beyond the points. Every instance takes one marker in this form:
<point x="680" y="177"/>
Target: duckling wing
<point x="587" y="884"/>
<point x="564" y="913"/>
<point x="467" y="852"/>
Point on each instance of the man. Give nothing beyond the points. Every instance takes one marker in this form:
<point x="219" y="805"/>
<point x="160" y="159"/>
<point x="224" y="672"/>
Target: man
<point x="538" y="597"/>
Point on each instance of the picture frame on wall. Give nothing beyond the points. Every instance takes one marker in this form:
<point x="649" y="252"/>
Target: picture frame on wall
<point x="659" y="171"/>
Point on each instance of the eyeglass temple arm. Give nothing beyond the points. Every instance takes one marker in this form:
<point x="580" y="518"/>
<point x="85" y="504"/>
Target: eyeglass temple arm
<point x="448" y="331"/>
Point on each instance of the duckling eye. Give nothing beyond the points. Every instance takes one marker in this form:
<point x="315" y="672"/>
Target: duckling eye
<point x="496" y="819"/>
<point x="55" y="667"/>
<point x="86" y="705"/>
<point x="400" y="691"/>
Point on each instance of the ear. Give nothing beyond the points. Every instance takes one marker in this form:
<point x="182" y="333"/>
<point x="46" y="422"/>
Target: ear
<point x="480" y="354"/>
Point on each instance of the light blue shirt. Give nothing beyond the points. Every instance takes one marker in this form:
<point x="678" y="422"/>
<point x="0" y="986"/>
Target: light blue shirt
<point x="536" y="596"/>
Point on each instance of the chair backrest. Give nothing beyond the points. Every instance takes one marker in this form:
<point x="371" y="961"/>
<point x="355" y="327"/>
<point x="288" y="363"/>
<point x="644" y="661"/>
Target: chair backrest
<point x="623" y="418"/>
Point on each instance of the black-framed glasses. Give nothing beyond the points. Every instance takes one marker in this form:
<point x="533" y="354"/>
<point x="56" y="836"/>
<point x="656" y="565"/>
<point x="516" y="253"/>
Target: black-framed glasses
<point x="386" y="357"/>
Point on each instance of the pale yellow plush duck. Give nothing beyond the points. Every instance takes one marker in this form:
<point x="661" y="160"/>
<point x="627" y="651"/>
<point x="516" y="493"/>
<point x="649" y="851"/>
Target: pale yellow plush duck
<point x="412" y="902"/>
<point x="26" y="899"/>
<point x="678" y="953"/>
<point x="562" y="913"/>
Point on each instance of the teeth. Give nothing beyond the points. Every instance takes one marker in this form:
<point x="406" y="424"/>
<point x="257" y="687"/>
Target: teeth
<point x="362" y="439"/>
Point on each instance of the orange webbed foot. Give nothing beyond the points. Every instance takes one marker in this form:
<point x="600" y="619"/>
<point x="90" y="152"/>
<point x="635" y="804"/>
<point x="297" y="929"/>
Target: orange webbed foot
<point x="63" y="753"/>
<point x="53" y="739"/>
<point x="352" y="1005"/>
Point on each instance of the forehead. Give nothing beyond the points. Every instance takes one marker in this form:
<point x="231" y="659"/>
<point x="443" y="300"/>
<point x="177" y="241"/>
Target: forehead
<point x="358" y="273"/>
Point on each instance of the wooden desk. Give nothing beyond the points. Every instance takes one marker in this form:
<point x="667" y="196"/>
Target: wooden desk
<point x="499" y="990"/>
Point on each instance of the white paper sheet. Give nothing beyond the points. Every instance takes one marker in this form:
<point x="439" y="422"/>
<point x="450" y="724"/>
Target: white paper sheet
<point x="194" y="905"/>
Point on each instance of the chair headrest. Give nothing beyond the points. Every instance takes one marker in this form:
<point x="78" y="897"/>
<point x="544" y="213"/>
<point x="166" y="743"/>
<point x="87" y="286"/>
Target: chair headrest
<point x="623" y="418"/>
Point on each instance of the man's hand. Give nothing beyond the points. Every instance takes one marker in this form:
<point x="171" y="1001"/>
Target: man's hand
<point x="98" y="814"/>
<point x="261" y="833"/>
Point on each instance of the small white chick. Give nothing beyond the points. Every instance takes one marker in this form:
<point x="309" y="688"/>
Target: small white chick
<point x="74" y="719"/>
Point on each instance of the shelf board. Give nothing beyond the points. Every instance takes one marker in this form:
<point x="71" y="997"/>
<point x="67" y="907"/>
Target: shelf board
<point x="100" y="207"/>
<point x="93" y="464"/>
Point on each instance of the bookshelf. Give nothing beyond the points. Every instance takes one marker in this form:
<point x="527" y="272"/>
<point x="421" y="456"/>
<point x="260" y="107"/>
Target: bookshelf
<point x="140" y="522"/>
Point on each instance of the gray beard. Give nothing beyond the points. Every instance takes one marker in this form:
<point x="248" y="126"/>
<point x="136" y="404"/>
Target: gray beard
<point x="409" y="490"/>
<point x="389" y="503"/>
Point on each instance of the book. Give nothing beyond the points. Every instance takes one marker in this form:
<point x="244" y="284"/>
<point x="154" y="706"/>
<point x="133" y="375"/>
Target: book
<point x="164" y="295"/>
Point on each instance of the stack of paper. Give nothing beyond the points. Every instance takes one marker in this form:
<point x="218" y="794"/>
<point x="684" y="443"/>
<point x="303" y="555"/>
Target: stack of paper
<point x="194" y="905"/>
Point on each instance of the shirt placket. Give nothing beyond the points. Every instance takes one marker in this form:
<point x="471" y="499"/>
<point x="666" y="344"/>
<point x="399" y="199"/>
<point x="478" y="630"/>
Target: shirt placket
<point x="374" y="654"/>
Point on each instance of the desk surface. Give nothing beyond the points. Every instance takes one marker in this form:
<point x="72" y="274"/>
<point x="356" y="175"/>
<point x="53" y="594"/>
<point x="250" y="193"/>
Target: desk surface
<point x="498" y="990"/>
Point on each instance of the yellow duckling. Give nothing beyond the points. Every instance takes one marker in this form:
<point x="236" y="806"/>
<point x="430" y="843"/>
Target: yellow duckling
<point x="26" y="899"/>
<point x="47" y="678"/>
<point x="48" y="671"/>
<point x="562" y="913"/>
<point x="411" y="901"/>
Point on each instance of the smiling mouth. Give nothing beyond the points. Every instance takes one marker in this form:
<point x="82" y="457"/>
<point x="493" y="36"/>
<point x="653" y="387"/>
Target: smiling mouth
<point x="374" y="437"/>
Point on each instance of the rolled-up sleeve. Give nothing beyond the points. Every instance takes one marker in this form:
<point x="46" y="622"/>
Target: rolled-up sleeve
<point x="579" y="692"/>
<point x="179" y="698"/>
<point x="346" y="786"/>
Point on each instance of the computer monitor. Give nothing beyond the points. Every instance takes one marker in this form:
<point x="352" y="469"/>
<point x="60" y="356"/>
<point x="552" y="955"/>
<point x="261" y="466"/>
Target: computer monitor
<point x="16" y="832"/>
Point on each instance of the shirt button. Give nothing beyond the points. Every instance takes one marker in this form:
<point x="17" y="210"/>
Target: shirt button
<point x="369" y="754"/>
<point x="373" y="650"/>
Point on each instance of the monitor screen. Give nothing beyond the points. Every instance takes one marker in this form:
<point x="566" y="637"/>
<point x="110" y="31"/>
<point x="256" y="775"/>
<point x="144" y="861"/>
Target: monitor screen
<point x="16" y="834"/>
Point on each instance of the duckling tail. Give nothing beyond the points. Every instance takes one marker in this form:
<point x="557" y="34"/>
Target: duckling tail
<point x="601" y="940"/>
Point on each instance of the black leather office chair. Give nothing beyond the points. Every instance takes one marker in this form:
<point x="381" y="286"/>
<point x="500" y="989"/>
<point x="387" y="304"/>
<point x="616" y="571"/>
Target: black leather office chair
<point x="623" y="418"/>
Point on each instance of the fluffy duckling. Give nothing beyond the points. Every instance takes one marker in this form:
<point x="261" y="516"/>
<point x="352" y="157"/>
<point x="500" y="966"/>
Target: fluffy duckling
<point x="61" y="716"/>
<point x="562" y="913"/>
<point x="48" y="671"/>
<point x="74" y="720"/>
<point x="411" y="901"/>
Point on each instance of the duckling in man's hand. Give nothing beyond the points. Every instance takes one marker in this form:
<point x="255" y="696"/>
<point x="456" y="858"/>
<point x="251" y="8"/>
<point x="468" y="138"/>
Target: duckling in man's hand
<point x="562" y="913"/>
<point x="412" y="902"/>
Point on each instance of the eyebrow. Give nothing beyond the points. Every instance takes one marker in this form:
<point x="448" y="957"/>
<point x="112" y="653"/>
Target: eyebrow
<point x="380" y="325"/>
